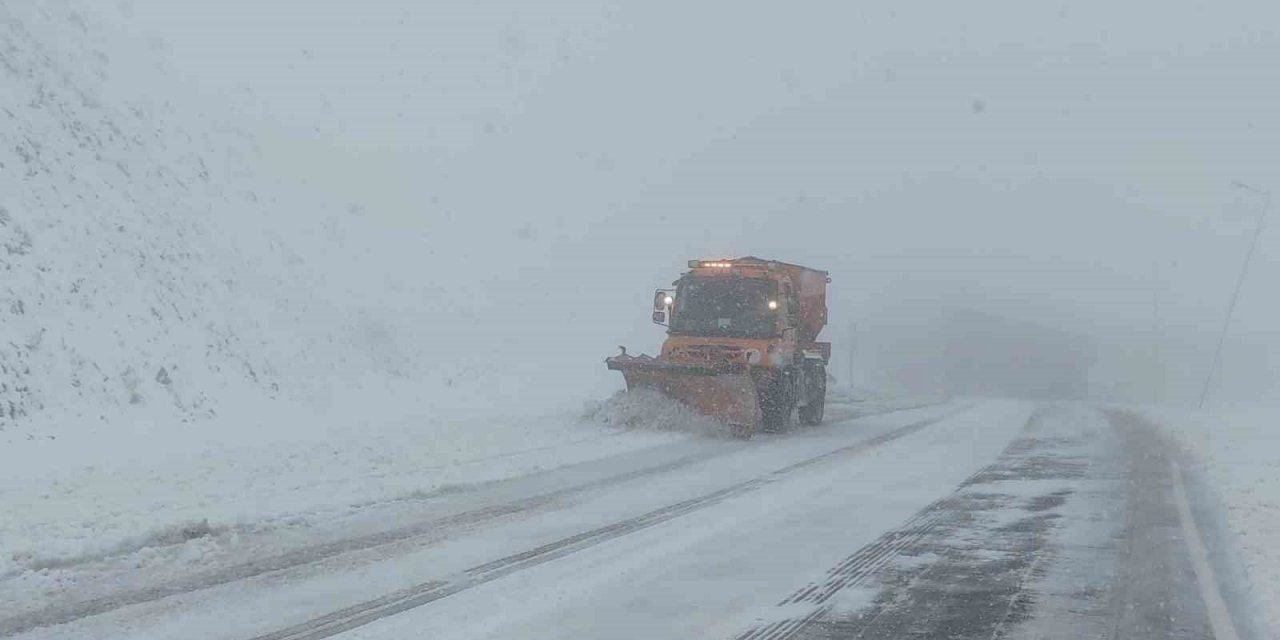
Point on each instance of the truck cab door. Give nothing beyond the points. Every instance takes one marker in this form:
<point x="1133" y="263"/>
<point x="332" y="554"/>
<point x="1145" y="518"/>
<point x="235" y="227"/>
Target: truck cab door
<point x="790" y="319"/>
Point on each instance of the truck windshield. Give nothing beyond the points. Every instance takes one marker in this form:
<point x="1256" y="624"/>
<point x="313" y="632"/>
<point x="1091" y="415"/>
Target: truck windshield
<point x="731" y="307"/>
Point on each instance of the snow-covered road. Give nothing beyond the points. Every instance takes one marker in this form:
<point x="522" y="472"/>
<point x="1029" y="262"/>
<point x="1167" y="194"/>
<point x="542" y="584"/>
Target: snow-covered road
<point x="971" y="519"/>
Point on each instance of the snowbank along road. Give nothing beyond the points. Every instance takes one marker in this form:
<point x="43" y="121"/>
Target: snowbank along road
<point x="966" y="520"/>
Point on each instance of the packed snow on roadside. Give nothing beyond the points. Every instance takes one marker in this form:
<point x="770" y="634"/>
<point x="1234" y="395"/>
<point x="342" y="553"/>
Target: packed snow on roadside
<point x="1239" y="451"/>
<point x="123" y="500"/>
<point x="194" y="507"/>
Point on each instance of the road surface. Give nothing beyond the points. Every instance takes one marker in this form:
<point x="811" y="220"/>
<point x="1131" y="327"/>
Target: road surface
<point x="969" y="519"/>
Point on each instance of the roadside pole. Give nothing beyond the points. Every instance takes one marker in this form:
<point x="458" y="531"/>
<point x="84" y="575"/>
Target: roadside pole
<point x="853" y="348"/>
<point x="1235" y="295"/>
<point x="1157" y="377"/>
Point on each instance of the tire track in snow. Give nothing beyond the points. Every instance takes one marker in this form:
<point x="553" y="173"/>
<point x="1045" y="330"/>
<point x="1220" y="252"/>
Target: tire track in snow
<point x="430" y="591"/>
<point x="433" y="529"/>
<point x="817" y="599"/>
<point x="1044" y="568"/>
<point x="858" y="568"/>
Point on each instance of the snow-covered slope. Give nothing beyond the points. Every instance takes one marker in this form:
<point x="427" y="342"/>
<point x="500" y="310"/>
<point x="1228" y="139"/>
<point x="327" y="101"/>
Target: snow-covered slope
<point x="171" y="305"/>
<point x="159" y="273"/>
<point x="140" y="281"/>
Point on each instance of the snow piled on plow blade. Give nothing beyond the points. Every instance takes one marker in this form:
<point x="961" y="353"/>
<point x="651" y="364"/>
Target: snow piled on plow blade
<point x="729" y="398"/>
<point x="724" y="391"/>
<point x="644" y="409"/>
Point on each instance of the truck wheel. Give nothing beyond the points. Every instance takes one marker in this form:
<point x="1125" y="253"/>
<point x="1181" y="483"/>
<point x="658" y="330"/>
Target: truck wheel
<point x="777" y="402"/>
<point x="811" y="413"/>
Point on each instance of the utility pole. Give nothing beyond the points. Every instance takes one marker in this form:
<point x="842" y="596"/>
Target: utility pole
<point x="1244" y="270"/>
<point x="853" y="348"/>
<point x="1157" y="377"/>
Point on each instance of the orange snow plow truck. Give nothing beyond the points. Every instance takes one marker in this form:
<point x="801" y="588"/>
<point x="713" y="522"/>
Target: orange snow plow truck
<point x="741" y="343"/>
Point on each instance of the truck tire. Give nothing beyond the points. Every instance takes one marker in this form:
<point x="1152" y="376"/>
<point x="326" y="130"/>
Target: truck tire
<point x="811" y="413"/>
<point x="777" y="403"/>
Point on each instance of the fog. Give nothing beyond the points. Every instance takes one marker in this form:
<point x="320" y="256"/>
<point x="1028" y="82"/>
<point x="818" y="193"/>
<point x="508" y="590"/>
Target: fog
<point x="305" y="307"/>
<point x="541" y="168"/>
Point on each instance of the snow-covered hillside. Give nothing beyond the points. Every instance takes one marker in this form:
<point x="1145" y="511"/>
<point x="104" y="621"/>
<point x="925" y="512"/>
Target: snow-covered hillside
<point x="158" y="273"/>
<point x="139" y="282"/>
<point x="184" y="324"/>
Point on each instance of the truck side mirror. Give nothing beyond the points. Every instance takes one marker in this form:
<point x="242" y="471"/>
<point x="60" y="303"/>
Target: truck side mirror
<point x="662" y="301"/>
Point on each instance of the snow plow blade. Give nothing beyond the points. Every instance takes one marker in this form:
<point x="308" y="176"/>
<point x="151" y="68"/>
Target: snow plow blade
<point x="724" y="392"/>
